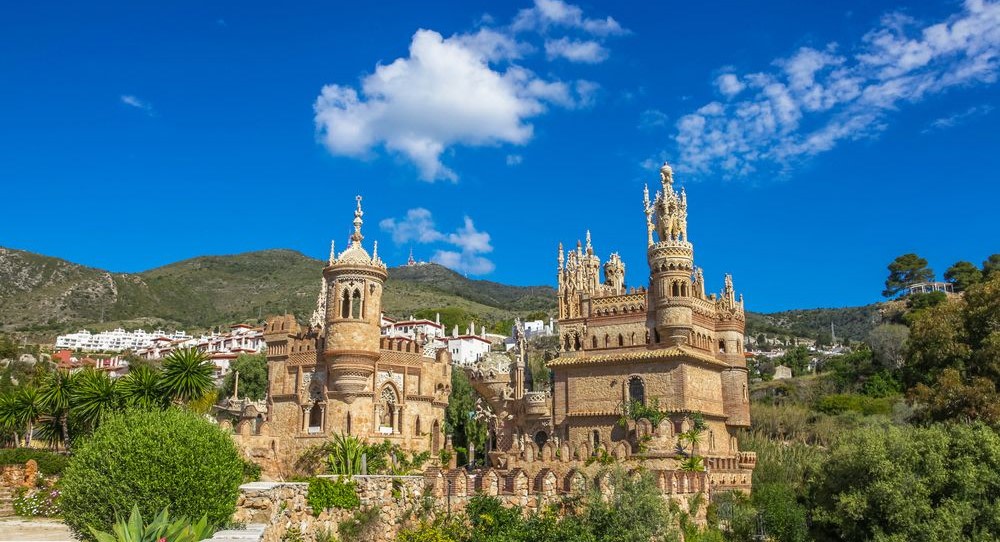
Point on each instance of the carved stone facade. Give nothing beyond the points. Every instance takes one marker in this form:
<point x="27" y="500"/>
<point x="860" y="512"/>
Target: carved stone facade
<point x="668" y="346"/>
<point x="338" y="375"/>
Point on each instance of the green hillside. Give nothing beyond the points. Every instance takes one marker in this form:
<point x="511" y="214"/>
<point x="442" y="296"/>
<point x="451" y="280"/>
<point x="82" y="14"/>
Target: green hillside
<point x="44" y="296"/>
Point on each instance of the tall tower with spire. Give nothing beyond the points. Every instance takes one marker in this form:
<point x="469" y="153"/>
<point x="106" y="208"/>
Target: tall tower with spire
<point x="671" y="264"/>
<point x="354" y="282"/>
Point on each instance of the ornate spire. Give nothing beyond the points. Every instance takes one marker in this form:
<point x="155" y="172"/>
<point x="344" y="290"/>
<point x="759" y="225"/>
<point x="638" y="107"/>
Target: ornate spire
<point x="356" y="237"/>
<point x="590" y="248"/>
<point x="333" y="252"/>
<point x="410" y="261"/>
<point x="375" y="251"/>
<point x="561" y="258"/>
<point x="666" y="176"/>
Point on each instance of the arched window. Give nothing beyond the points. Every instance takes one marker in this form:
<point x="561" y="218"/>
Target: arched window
<point x="675" y="289"/>
<point x="541" y="438"/>
<point x="315" y="417"/>
<point x="607" y="340"/>
<point x="637" y="390"/>
<point x="594" y="341"/>
<point x="567" y="342"/>
<point x="597" y="440"/>
<point x="435" y="437"/>
<point x="345" y="305"/>
<point x="632" y="339"/>
<point x="684" y="289"/>
<point x="722" y="347"/>
<point x="348" y="423"/>
<point x="356" y="305"/>
<point x="388" y="408"/>
<point x="576" y="341"/>
<point x="416" y="427"/>
<point x="621" y="340"/>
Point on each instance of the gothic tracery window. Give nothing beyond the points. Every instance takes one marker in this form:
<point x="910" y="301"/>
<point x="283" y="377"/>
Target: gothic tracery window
<point x="345" y="305"/>
<point x="388" y="407"/>
<point x="356" y="305"/>
<point x="637" y="390"/>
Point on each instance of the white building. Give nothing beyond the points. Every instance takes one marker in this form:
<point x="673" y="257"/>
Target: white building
<point x="538" y="328"/>
<point x="222" y="348"/>
<point x="468" y="348"/>
<point x="413" y="328"/>
<point x="116" y="340"/>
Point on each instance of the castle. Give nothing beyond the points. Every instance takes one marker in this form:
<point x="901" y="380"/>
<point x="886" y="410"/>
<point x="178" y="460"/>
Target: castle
<point x="340" y="376"/>
<point x="637" y="369"/>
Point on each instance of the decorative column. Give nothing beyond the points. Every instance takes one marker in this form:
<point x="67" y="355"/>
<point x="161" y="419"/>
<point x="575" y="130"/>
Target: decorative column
<point x="305" y="418"/>
<point x="322" y="417"/>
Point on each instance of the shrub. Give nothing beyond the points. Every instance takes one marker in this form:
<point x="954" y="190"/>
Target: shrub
<point x="152" y="460"/>
<point x="847" y="402"/>
<point x="49" y="463"/>
<point x="40" y="502"/>
<point x="161" y="528"/>
<point x="325" y="493"/>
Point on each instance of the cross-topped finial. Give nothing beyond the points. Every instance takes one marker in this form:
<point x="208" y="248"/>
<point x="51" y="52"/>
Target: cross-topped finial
<point x="356" y="237"/>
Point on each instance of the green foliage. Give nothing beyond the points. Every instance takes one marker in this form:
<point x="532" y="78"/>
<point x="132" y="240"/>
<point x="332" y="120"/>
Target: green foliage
<point x="151" y="459"/>
<point x="293" y="534"/>
<point x="49" y="463"/>
<point x="991" y="265"/>
<point x="796" y="358"/>
<point x="636" y="410"/>
<point x="852" y="323"/>
<point x="345" y="453"/>
<point x="916" y="484"/>
<point x="95" y="397"/>
<point x="253" y="376"/>
<point x="906" y="270"/>
<point x="160" y="528"/>
<point x="963" y="275"/>
<point x="925" y="300"/>
<point x="849" y="402"/>
<point x="142" y="388"/>
<point x="42" y="501"/>
<point x="8" y="348"/>
<point x="187" y="375"/>
<point x="325" y="494"/>
<point x="458" y="420"/>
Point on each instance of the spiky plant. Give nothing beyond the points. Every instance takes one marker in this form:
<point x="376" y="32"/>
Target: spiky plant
<point x="345" y="455"/>
<point x="56" y="395"/>
<point x="142" y="388"/>
<point x="187" y="375"/>
<point x="94" y="398"/>
<point x="29" y="409"/>
<point x="159" y="529"/>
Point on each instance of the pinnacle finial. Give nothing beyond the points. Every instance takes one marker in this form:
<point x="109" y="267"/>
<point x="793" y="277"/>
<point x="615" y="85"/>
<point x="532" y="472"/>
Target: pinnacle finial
<point x="333" y="252"/>
<point x="590" y="248"/>
<point x="356" y="237"/>
<point x="666" y="174"/>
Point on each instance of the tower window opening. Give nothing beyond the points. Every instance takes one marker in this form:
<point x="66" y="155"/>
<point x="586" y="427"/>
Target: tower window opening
<point x="621" y="340"/>
<point x="345" y="305"/>
<point x="594" y="341"/>
<point x="722" y="347"/>
<point x="637" y="390"/>
<point x="356" y="305"/>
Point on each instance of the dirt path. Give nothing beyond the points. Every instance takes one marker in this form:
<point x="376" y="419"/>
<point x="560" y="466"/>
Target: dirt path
<point x="33" y="530"/>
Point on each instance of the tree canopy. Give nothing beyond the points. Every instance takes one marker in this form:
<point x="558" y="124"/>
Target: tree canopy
<point x="253" y="377"/>
<point x="906" y="270"/>
<point x="963" y="275"/>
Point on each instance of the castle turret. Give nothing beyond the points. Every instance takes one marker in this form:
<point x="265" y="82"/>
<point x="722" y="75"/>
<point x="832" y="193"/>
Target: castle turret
<point x="671" y="264"/>
<point x="354" y="282"/>
<point x="614" y="274"/>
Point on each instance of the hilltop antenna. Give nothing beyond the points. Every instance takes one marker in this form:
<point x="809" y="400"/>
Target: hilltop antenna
<point x="833" y="335"/>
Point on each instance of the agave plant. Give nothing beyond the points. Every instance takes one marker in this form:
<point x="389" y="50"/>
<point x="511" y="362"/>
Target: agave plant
<point x="345" y="458"/>
<point x="161" y="528"/>
<point x="187" y="375"/>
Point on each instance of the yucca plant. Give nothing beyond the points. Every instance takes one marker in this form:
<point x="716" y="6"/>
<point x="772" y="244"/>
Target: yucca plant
<point x="28" y="410"/>
<point x="95" y="397"/>
<point x="56" y="395"/>
<point x="161" y="528"/>
<point x="345" y="459"/>
<point x="142" y="388"/>
<point x="10" y="422"/>
<point x="187" y="375"/>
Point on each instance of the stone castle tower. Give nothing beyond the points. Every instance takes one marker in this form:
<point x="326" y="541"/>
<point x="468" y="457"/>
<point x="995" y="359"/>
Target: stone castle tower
<point x="338" y="375"/>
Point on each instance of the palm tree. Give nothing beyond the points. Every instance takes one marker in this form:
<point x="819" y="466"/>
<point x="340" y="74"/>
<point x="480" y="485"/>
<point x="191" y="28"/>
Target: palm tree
<point x="142" y="388"/>
<point x="187" y="375"/>
<point x="29" y="408"/>
<point x="94" y="398"/>
<point x="56" y="394"/>
<point x="10" y="424"/>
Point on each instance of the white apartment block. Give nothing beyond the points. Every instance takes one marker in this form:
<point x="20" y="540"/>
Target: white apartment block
<point x="116" y="340"/>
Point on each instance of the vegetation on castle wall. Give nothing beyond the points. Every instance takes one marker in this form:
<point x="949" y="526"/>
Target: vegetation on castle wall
<point x="325" y="494"/>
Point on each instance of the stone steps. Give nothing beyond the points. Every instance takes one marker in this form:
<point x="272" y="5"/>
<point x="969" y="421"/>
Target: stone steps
<point x="254" y="532"/>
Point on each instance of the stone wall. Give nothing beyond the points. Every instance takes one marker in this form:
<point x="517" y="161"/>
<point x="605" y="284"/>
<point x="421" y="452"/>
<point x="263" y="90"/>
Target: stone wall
<point x="398" y="501"/>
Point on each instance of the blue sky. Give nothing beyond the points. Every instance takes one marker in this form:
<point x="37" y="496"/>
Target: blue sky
<point x="816" y="142"/>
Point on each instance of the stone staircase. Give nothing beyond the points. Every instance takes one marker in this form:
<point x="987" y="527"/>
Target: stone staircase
<point x="7" y="501"/>
<point x="253" y="532"/>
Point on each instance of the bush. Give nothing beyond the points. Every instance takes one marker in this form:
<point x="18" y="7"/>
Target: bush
<point x="39" y="502"/>
<point x="325" y="493"/>
<point x="847" y="402"/>
<point x="49" y="463"/>
<point x="153" y="460"/>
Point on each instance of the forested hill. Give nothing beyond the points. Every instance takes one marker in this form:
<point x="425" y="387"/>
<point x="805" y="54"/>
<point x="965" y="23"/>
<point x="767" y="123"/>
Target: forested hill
<point x="46" y="296"/>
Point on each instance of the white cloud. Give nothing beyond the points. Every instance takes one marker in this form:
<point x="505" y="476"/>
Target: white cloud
<point x="652" y="118"/>
<point x="514" y="159"/>
<point x="448" y="91"/>
<point x="132" y="101"/>
<point x="729" y="84"/>
<point x="817" y="98"/>
<point x="957" y="119"/>
<point x="418" y="227"/>
<point x="587" y="51"/>
<point x="549" y="13"/>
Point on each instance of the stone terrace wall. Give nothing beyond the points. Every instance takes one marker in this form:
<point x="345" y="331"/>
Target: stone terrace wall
<point x="403" y="499"/>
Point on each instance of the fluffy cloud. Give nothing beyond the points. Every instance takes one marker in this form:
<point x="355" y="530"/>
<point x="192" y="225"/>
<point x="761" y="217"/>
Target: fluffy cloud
<point x="586" y="51"/>
<point x="467" y="89"/>
<point x="817" y="98"/>
<point x="418" y="226"/>
<point x="549" y="13"/>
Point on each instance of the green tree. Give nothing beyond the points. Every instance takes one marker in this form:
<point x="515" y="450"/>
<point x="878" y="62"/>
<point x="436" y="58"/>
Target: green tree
<point x="8" y="348"/>
<point x="95" y="397"/>
<point x="29" y="409"/>
<point x="963" y="275"/>
<point x="991" y="265"/>
<point x="57" y="394"/>
<point x="253" y="376"/>
<point x="187" y="375"/>
<point x="906" y="270"/>
<point x="634" y="511"/>
<point x="151" y="459"/>
<point x="904" y="483"/>
<point x="142" y="388"/>
<point x="458" y="419"/>
<point x="888" y="344"/>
